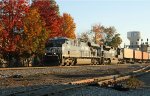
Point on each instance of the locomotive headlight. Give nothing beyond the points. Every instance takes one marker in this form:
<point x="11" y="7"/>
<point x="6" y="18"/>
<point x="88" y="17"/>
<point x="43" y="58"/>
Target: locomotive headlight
<point x="52" y="50"/>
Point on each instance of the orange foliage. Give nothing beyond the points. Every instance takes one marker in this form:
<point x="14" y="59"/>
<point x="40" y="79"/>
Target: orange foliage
<point x="98" y="29"/>
<point x="33" y="27"/>
<point x="68" y="26"/>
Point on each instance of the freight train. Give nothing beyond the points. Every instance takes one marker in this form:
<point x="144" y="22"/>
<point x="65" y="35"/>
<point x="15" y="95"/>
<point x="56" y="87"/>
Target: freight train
<point x="67" y="51"/>
<point x="63" y="51"/>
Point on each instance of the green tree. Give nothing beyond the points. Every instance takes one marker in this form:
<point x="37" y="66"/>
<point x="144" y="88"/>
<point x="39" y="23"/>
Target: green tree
<point x="116" y="41"/>
<point x="112" y="37"/>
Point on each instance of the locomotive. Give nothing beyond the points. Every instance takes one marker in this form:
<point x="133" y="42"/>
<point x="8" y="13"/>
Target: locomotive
<point x="67" y="51"/>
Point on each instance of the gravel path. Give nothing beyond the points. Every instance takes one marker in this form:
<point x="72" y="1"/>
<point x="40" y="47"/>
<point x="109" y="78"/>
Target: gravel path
<point x="98" y="91"/>
<point x="57" y="75"/>
<point x="67" y="69"/>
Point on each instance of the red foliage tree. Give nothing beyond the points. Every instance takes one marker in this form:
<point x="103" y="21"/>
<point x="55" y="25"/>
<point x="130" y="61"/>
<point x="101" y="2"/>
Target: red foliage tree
<point x="49" y="12"/>
<point x="11" y="14"/>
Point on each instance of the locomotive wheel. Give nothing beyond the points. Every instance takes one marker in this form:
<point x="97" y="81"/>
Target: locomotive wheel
<point x="75" y="61"/>
<point x="97" y="61"/>
<point x="92" y="61"/>
<point x="68" y="63"/>
<point x="102" y="61"/>
<point x="62" y="63"/>
<point x="72" y="62"/>
<point x="109" y="61"/>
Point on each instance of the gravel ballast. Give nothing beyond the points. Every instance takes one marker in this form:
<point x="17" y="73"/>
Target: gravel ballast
<point x="32" y="77"/>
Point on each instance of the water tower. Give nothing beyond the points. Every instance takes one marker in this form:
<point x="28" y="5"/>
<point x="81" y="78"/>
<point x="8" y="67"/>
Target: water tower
<point x="134" y="38"/>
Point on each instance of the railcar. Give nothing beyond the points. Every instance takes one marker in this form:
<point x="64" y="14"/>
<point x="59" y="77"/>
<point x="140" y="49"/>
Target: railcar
<point x="127" y="55"/>
<point x="137" y="56"/>
<point x="148" y="58"/>
<point x="145" y="57"/>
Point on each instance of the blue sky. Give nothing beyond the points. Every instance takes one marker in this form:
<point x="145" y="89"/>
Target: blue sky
<point x="124" y="15"/>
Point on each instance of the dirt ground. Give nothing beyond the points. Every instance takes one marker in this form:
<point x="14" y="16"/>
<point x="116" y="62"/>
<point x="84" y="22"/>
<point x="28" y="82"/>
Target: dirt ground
<point x="58" y="75"/>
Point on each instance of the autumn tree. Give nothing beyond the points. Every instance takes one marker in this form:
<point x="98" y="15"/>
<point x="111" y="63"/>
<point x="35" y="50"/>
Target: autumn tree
<point x="68" y="26"/>
<point x="49" y="12"/>
<point x="11" y="14"/>
<point x="84" y="37"/>
<point x="106" y="35"/>
<point x="98" y="31"/>
<point x="1" y="38"/>
<point x="35" y="34"/>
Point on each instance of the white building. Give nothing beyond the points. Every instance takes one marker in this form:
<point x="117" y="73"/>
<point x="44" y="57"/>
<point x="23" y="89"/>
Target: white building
<point x="134" y="38"/>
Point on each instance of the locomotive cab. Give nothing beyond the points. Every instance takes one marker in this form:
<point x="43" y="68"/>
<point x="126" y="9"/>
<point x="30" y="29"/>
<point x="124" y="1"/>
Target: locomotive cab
<point x="110" y="55"/>
<point x="53" y="46"/>
<point x="53" y="49"/>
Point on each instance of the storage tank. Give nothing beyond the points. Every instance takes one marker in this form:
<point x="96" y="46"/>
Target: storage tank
<point x="134" y="38"/>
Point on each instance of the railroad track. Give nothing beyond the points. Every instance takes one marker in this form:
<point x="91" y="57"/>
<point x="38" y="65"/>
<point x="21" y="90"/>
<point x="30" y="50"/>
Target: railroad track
<point x="44" y="91"/>
<point x="50" y="90"/>
<point x="25" y="68"/>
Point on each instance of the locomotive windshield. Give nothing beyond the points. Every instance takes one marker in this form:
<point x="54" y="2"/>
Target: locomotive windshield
<point x="55" y="42"/>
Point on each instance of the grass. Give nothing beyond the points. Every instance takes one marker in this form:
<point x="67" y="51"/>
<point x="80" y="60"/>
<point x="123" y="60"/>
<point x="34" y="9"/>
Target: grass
<point x="134" y="83"/>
